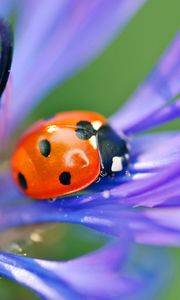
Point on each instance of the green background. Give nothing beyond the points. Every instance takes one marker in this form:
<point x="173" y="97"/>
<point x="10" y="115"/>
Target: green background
<point x="103" y="86"/>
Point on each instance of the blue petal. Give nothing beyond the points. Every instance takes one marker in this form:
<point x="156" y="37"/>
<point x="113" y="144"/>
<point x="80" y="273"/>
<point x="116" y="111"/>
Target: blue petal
<point x="54" y="40"/>
<point x="165" y="114"/>
<point x="6" y="7"/>
<point x="150" y="152"/>
<point x="93" y="276"/>
<point x="151" y="104"/>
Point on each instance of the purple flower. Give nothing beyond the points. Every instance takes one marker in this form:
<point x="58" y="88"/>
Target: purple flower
<point x="143" y="205"/>
<point x="116" y="204"/>
<point x="68" y="35"/>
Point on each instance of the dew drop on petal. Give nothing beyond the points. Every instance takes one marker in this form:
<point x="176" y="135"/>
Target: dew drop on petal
<point x="128" y="173"/>
<point x="35" y="237"/>
<point x="52" y="200"/>
<point x="106" y="194"/>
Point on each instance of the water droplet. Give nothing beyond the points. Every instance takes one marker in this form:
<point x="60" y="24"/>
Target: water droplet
<point x="52" y="200"/>
<point x="98" y="179"/>
<point x="35" y="237"/>
<point x="106" y="194"/>
<point x="128" y="173"/>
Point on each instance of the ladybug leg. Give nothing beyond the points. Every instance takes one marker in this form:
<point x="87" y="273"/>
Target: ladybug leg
<point x="102" y="174"/>
<point x="52" y="200"/>
<point x="98" y="179"/>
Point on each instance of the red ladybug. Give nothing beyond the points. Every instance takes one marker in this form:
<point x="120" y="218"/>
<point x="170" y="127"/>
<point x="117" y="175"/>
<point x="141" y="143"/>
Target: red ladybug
<point x="66" y="153"/>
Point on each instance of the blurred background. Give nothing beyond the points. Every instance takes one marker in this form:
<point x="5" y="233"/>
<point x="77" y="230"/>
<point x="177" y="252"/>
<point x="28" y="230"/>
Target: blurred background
<point x="103" y="86"/>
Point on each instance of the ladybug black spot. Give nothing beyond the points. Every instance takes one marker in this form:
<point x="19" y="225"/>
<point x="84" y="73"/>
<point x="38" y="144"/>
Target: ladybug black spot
<point x="44" y="147"/>
<point x="65" y="178"/>
<point x="85" y="130"/>
<point x="22" y="181"/>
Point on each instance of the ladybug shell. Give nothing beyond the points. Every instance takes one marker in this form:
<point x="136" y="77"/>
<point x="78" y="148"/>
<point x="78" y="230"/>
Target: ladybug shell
<point x="58" y="156"/>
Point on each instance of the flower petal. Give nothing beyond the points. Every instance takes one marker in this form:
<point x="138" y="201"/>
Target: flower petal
<point x="55" y="40"/>
<point x="113" y="219"/>
<point x="167" y="229"/>
<point x="5" y="7"/>
<point x="150" y="152"/>
<point x="93" y="276"/>
<point x="151" y="100"/>
<point x="165" y="114"/>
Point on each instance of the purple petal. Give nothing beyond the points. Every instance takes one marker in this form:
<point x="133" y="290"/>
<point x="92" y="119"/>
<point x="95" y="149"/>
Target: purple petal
<point x="153" y="151"/>
<point x="57" y="39"/>
<point x="92" y="276"/>
<point x="8" y="192"/>
<point x="4" y="115"/>
<point x="150" y="102"/>
<point x="167" y="230"/>
<point x="5" y="7"/>
<point x="162" y="115"/>
<point x="143" y="225"/>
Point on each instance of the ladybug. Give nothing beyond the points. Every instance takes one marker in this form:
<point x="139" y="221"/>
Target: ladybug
<point x="66" y="153"/>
